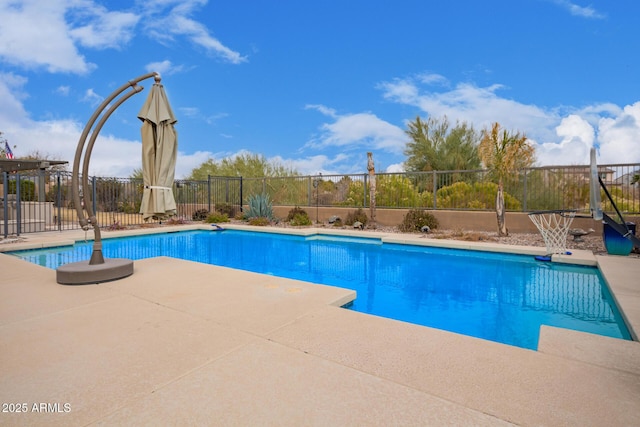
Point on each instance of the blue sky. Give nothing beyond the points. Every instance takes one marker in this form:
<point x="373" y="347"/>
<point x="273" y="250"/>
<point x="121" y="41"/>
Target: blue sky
<point x="316" y="85"/>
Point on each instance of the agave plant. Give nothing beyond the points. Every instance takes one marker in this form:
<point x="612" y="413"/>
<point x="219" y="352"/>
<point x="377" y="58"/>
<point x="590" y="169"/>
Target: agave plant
<point x="260" y="207"/>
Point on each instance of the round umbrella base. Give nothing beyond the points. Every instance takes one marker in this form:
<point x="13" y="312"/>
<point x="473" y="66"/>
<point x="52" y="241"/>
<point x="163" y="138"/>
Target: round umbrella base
<point x="83" y="273"/>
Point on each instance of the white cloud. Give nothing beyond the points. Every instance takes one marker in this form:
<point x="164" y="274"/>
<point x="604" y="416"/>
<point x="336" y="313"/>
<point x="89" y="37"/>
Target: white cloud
<point x="188" y="162"/>
<point x="98" y="28"/>
<point x="581" y="11"/>
<point x="480" y="106"/>
<point x="395" y="168"/>
<point x="111" y="156"/>
<point x="313" y="165"/>
<point x="164" y="68"/>
<point x="12" y="111"/>
<point x="619" y="137"/>
<point x="322" y="109"/>
<point x="402" y="91"/>
<point x="192" y="112"/>
<point x="577" y="139"/>
<point x="360" y="130"/>
<point x="91" y="97"/>
<point x="433" y="79"/>
<point x="562" y="138"/>
<point x="25" y="25"/>
<point x="195" y="114"/>
<point x="574" y="127"/>
<point x="63" y="90"/>
<point x="169" y="18"/>
<point x="67" y="26"/>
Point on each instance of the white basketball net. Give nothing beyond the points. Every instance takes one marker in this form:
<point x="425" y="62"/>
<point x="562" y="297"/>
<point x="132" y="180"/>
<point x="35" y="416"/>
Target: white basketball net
<point x="554" y="228"/>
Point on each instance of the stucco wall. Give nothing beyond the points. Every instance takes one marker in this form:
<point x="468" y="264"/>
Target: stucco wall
<point x="517" y="222"/>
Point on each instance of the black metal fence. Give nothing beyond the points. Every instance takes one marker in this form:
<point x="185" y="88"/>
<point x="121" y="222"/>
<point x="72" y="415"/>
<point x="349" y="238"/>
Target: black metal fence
<point x="42" y="200"/>
<point x="544" y="188"/>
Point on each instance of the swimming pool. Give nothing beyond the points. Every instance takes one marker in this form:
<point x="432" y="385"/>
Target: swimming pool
<point x="494" y="296"/>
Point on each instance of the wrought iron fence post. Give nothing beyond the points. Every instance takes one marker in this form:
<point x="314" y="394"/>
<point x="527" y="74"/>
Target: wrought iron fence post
<point x="364" y="192"/>
<point x="59" y="200"/>
<point x="524" y="191"/>
<point x="435" y="189"/>
<point x="5" y="204"/>
<point x="241" y="195"/>
<point x="316" y="185"/>
<point x="209" y="193"/>
<point x="18" y="206"/>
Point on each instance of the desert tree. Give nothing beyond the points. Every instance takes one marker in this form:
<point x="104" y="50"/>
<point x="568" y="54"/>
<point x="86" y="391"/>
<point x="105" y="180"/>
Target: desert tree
<point x="435" y="146"/>
<point x="245" y="164"/>
<point x="503" y="153"/>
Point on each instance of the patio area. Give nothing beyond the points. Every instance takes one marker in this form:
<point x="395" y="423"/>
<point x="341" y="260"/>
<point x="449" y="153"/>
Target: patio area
<point x="183" y="343"/>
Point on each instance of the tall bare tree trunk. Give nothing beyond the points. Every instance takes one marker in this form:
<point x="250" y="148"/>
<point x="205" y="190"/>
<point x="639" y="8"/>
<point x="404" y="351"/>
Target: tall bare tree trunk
<point x="502" y="226"/>
<point x="372" y="189"/>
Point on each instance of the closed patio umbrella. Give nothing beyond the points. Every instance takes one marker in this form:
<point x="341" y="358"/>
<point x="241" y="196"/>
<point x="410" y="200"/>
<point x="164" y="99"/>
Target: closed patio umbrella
<point x="159" y="152"/>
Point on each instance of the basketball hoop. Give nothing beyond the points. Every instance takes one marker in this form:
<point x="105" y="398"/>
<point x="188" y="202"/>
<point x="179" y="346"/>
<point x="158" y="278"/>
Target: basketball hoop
<point x="554" y="227"/>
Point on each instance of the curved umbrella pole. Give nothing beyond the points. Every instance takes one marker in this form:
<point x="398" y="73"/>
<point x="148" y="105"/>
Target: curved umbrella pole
<point x="70" y="273"/>
<point x="91" y="208"/>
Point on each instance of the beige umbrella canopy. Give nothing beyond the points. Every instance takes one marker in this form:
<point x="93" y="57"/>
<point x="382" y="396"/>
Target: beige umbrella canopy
<point x="159" y="152"/>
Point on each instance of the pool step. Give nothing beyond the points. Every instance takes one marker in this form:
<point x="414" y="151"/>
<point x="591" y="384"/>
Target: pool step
<point x="606" y="352"/>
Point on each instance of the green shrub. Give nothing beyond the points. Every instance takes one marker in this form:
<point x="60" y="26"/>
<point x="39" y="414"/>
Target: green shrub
<point x="478" y="195"/>
<point x="259" y="220"/>
<point x="217" y="217"/>
<point x="298" y="216"/>
<point x="52" y="195"/>
<point x="295" y="211"/>
<point x="300" y="219"/>
<point x="260" y="207"/>
<point x="226" y="208"/>
<point x="415" y="219"/>
<point x="358" y="215"/>
<point x="27" y="189"/>
<point x="200" y="215"/>
<point x="130" y="207"/>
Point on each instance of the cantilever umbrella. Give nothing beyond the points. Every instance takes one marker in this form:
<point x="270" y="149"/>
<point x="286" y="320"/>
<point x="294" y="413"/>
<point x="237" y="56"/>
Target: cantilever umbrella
<point x="159" y="152"/>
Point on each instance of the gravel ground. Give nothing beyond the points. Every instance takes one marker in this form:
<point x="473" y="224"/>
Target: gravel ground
<point x="591" y="242"/>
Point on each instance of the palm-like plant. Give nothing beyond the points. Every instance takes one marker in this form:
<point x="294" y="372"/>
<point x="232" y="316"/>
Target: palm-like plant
<point x="504" y="153"/>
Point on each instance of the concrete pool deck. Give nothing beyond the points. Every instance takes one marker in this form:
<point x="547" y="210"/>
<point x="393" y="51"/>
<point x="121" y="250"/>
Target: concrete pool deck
<point x="183" y="343"/>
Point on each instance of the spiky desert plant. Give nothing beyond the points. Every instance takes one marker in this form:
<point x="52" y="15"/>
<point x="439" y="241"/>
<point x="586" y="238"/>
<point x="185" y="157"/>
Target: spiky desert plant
<point x="260" y="206"/>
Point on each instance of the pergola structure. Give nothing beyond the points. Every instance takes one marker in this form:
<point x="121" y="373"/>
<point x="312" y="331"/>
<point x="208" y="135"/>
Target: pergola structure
<point x="16" y="165"/>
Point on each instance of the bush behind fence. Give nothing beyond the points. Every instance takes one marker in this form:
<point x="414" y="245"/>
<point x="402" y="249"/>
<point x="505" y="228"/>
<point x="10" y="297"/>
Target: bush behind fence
<point x="43" y="200"/>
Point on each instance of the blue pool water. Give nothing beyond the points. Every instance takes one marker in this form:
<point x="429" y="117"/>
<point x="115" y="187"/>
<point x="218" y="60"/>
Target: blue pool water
<point x="499" y="297"/>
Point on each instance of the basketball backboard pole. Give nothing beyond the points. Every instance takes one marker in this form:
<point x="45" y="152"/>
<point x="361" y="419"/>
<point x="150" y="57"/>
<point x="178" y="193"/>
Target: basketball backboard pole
<point x="595" y="184"/>
<point x="621" y="228"/>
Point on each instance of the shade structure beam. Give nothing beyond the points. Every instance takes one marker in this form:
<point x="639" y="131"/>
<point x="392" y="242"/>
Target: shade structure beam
<point x="98" y="269"/>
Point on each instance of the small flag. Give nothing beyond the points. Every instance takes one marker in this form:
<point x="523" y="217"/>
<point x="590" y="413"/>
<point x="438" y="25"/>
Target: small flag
<point x="7" y="150"/>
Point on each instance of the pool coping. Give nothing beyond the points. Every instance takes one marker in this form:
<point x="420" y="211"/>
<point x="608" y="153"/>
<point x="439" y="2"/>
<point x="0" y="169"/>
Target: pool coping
<point x="579" y="257"/>
<point x="573" y="378"/>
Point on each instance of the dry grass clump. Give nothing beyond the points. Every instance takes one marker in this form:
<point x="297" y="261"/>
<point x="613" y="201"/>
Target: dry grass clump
<point x="468" y="236"/>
